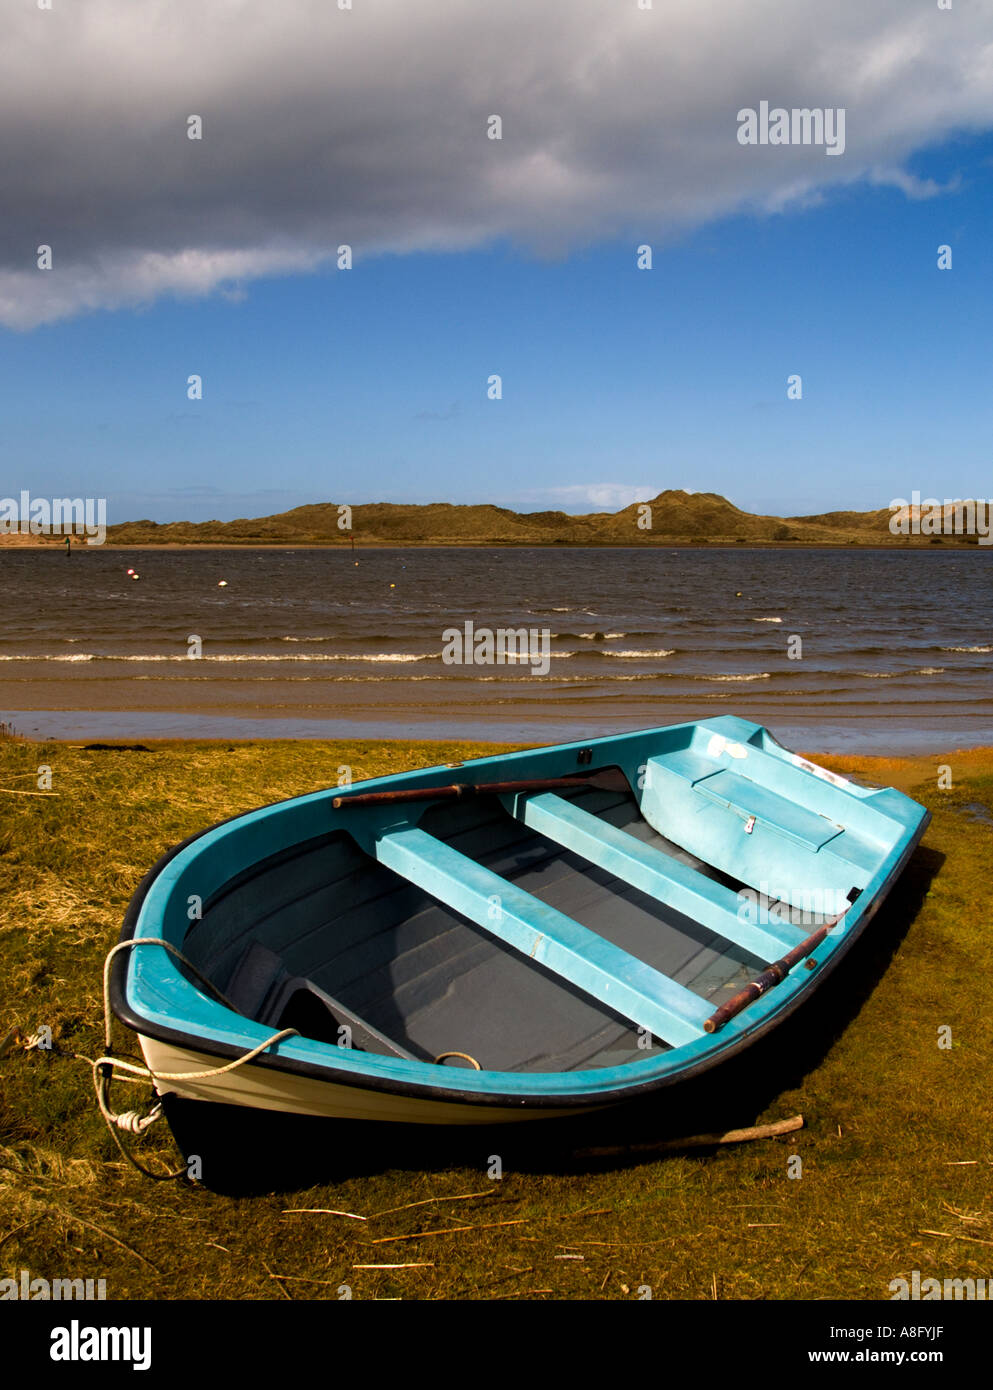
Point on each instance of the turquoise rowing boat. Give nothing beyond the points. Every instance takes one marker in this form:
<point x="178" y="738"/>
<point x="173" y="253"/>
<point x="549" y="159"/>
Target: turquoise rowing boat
<point x="515" y="937"/>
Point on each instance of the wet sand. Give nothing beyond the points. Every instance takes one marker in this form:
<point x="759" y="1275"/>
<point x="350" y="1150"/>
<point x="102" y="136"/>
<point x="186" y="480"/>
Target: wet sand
<point x="216" y="709"/>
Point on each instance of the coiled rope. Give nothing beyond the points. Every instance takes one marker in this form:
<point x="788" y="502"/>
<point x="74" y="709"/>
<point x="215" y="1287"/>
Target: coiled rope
<point x="106" y="1068"/>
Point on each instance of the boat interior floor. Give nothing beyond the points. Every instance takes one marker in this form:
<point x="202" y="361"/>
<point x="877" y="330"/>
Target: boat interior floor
<point x="326" y="939"/>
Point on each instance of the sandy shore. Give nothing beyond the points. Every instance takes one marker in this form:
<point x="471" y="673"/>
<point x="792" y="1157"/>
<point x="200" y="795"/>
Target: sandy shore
<point x="402" y="722"/>
<point x="904" y="772"/>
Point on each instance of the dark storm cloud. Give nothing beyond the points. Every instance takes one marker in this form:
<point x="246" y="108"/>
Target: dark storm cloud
<point x="368" y="126"/>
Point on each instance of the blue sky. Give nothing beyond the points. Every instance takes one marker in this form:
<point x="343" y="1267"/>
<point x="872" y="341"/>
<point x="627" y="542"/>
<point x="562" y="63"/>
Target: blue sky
<point x="371" y="384"/>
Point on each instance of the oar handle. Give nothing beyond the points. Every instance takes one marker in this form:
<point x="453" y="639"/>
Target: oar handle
<point x="769" y="978"/>
<point x="456" y="791"/>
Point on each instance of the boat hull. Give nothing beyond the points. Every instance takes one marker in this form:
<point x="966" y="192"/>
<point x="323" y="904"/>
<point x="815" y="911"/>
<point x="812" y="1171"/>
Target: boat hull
<point x="670" y="876"/>
<point x="293" y="1093"/>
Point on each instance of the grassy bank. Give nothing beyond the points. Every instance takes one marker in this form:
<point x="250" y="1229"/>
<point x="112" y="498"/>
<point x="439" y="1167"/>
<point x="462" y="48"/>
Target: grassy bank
<point x="896" y="1146"/>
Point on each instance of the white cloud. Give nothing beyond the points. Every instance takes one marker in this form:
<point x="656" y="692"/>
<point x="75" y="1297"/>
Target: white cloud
<point x="29" y="297"/>
<point x="368" y="126"/>
<point x="600" y="496"/>
<point x="911" y="185"/>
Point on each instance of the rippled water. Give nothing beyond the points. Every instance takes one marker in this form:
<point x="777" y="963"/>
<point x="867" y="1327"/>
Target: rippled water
<point x="889" y="640"/>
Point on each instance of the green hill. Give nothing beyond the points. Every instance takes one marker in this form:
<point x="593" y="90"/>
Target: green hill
<point x="675" y="518"/>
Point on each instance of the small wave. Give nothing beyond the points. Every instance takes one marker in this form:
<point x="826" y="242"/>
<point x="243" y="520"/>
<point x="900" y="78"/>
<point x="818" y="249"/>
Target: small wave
<point x="767" y="620"/>
<point x="524" y="657"/>
<point x="74" y="656"/>
<point x="967" y="649"/>
<point x="662" y="651"/>
<point x="304" y="680"/>
<point x="379" y="657"/>
<point x="895" y="675"/>
<point x="758" y="676"/>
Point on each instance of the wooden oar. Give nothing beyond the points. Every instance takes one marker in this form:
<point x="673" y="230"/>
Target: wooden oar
<point x="612" y="779"/>
<point x="769" y="978"/>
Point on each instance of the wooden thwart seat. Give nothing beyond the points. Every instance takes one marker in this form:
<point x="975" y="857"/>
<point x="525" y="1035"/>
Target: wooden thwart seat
<point x="627" y="985"/>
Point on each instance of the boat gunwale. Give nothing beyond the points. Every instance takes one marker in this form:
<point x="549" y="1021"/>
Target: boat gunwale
<point x="541" y="1090"/>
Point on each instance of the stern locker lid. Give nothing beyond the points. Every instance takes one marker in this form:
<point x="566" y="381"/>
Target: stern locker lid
<point x="746" y="798"/>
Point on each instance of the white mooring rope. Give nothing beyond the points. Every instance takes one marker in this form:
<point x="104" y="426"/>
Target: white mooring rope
<point x="106" y="1068"/>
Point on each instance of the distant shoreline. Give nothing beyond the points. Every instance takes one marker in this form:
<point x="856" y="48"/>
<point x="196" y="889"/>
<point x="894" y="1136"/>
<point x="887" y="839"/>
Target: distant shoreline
<point x="672" y="518"/>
